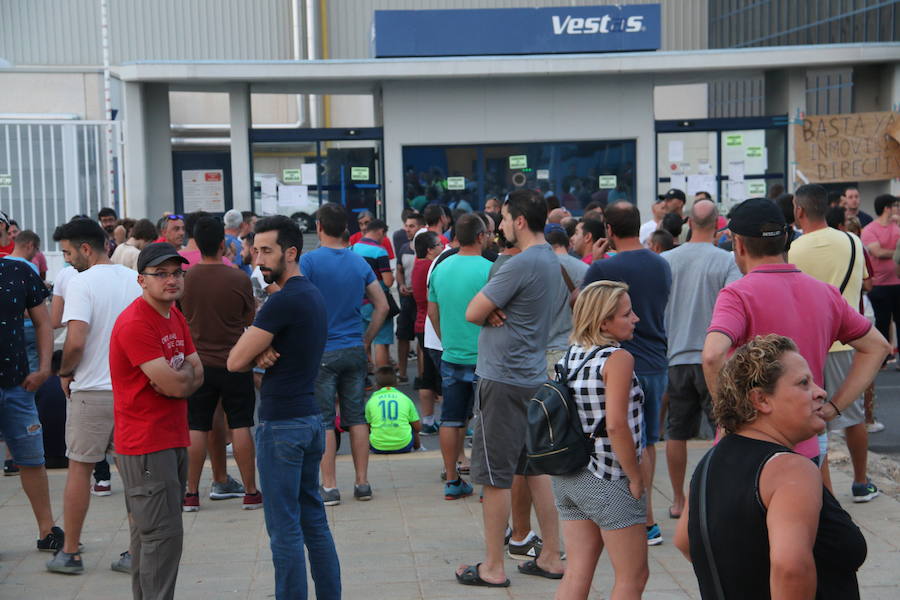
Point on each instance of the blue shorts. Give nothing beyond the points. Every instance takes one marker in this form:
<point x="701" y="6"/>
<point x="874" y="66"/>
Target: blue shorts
<point x="458" y="383"/>
<point x="654" y="386"/>
<point x="403" y="450"/>
<point x="385" y="335"/>
<point x="21" y="427"/>
<point x="342" y="377"/>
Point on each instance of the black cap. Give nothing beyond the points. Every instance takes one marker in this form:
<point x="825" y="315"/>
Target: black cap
<point x="675" y="193"/>
<point x="758" y="218"/>
<point x="156" y="254"/>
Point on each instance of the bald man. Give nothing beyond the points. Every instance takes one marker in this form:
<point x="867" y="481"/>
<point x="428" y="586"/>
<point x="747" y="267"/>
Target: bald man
<point x="699" y="271"/>
<point x="557" y="215"/>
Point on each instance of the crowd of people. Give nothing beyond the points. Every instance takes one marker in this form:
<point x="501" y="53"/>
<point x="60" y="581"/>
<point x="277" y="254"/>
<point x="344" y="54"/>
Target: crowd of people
<point x="182" y="336"/>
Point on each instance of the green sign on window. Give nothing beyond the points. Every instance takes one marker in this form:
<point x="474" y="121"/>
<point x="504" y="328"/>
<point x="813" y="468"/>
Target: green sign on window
<point x="518" y="161"/>
<point x="756" y="188"/>
<point x="359" y="173"/>
<point x="606" y="182"/>
<point x="290" y="176"/>
<point x="754" y="151"/>
<point x="5" y="180"/>
<point x="735" y="139"/>
<point x="456" y="183"/>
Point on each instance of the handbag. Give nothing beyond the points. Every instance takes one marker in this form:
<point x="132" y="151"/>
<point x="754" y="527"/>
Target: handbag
<point x="393" y="308"/>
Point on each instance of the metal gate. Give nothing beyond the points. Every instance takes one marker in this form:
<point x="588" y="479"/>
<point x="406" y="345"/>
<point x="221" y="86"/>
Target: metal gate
<point x="53" y="170"/>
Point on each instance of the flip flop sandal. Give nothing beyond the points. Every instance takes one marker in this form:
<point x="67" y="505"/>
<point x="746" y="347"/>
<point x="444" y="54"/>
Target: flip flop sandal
<point x="672" y="515"/>
<point x="470" y="577"/>
<point x="462" y="470"/>
<point x="530" y="567"/>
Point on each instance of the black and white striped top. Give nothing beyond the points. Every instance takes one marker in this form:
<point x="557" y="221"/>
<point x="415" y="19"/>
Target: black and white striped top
<point x="589" y="394"/>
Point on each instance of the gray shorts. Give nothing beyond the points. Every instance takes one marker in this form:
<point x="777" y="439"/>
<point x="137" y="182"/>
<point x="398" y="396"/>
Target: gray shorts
<point x="585" y="497"/>
<point x="498" y="440"/>
<point x="837" y="365"/>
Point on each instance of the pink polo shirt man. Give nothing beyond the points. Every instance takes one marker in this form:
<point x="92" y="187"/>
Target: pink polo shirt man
<point x="779" y="298"/>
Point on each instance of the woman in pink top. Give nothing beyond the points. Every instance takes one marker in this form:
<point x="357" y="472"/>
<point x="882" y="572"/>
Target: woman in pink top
<point x="880" y="239"/>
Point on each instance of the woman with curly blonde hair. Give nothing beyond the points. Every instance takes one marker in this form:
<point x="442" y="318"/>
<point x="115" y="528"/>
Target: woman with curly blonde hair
<point x="769" y="527"/>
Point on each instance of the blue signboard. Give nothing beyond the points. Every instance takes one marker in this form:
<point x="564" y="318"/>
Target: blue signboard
<point x="562" y="30"/>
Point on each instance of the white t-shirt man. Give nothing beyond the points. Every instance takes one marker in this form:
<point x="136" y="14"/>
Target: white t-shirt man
<point x="97" y="296"/>
<point x="647" y="230"/>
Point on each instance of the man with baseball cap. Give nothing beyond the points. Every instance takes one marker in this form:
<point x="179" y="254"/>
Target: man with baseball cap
<point x="776" y="297"/>
<point x="675" y="201"/>
<point x="154" y="368"/>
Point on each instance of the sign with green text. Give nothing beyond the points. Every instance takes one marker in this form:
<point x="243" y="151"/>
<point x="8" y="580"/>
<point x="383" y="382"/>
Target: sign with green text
<point x="606" y="182"/>
<point x="518" y="161"/>
<point x="291" y="176"/>
<point x="5" y="180"/>
<point x="359" y="173"/>
<point x="456" y="183"/>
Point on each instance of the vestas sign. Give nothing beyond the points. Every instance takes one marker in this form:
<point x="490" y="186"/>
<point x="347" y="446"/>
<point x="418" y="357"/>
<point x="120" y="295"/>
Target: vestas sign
<point x="563" y="30"/>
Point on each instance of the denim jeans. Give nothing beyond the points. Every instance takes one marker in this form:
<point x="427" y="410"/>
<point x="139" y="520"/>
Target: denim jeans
<point x="342" y="377"/>
<point x="287" y="454"/>
<point x="654" y="386"/>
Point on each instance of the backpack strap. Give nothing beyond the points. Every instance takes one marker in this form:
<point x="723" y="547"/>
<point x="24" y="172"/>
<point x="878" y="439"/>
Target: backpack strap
<point x="852" y="263"/>
<point x="587" y="358"/>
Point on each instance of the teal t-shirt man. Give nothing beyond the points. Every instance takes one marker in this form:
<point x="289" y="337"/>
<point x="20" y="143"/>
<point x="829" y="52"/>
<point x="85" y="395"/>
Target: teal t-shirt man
<point x="392" y="419"/>
<point x="453" y="284"/>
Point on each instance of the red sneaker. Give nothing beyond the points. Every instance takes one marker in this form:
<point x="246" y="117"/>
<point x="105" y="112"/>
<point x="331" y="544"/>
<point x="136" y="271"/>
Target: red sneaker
<point x="252" y="501"/>
<point x="191" y="503"/>
<point x="101" y="488"/>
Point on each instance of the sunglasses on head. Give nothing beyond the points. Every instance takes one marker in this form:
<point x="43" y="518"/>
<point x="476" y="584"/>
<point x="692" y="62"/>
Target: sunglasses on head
<point x="175" y="217"/>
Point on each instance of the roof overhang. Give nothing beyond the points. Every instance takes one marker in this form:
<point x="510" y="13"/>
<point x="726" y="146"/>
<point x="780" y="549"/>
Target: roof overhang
<point x="365" y="76"/>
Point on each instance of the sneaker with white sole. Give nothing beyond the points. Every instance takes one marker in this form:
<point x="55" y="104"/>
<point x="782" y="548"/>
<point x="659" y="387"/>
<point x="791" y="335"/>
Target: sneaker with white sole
<point x="123" y="565"/>
<point x="530" y="549"/>
<point x="362" y="492"/>
<point x="864" y="492"/>
<point x="63" y="562"/>
<point x="654" y="535"/>
<point x="252" y="501"/>
<point x="224" y="491"/>
<point x="190" y="503"/>
<point x="101" y="488"/>
<point x="875" y="427"/>
<point x="330" y="497"/>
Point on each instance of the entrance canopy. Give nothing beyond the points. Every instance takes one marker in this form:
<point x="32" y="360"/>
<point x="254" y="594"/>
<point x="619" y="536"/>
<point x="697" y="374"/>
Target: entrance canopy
<point x="471" y="100"/>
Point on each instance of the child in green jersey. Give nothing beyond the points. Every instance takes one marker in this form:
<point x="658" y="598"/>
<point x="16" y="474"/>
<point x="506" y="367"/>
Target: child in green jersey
<point x="393" y="421"/>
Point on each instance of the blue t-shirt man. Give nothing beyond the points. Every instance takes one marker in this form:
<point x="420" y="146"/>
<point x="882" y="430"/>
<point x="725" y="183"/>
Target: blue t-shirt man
<point x="649" y="280"/>
<point x="296" y="317"/>
<point x="233" y="242"/>
<point x="341" y="277"/>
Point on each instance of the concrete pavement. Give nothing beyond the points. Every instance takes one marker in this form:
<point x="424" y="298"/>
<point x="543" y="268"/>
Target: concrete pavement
<point x="403" y="545"/>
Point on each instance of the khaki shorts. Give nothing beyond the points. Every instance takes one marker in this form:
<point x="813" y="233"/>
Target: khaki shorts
<point x="89" y="426"/>
<point x="837" y="365"/>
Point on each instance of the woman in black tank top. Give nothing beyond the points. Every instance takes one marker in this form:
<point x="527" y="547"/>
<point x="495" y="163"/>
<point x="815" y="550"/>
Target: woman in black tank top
<point x="773" y="529"/>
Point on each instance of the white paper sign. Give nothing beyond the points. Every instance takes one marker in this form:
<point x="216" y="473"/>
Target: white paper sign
<point x="268" y="194"/>
<point x="676" y="151"/>
<point x="736" y="191"/>
<point x="203" y="190"/>
<point x="701" y="183"/>
<point x="703" y="167"/>
<point x="543" y="173"/>
<point x="736" y="170"/>
<point x="292" y="196"/>
<point x="309" y="174"/>
<point x="679" y="181"/>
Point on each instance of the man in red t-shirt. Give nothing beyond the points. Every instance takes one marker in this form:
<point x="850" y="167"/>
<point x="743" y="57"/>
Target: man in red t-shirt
<point x="154" y="368"/>
<point x="7" y="244"/>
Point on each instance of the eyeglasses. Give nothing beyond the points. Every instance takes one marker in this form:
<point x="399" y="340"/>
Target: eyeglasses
<point x="175" y="217"/>
<point x="162" y="276"/>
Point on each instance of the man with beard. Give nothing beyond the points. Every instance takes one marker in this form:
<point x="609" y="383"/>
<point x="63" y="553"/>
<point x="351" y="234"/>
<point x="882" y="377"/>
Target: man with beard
<point x="288" y="340"/>
<point x="94" y="299"/>
<point x="108" y="218"/>
<point x="154" y="368"/>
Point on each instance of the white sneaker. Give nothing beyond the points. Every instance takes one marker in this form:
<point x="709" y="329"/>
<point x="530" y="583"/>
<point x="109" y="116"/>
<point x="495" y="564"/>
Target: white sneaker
<point x="875" y="427"/>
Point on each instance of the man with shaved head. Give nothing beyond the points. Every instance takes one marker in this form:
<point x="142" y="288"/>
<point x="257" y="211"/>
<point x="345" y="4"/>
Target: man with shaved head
<point x="699" y="271"/>
<point x="557" y="215"/>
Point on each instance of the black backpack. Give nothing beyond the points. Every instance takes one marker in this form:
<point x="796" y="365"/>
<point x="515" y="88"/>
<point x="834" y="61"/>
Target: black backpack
<point x="555" y="443"/>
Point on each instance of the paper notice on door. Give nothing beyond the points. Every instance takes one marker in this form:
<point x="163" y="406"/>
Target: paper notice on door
<point x="701" y="183"/>
<point x="703" y="167"/>
<point x="736" y="191"/>
<point x="736" y="170"/>
<point x="679" y="181"/>
<point x="203" y="190"/>
<point x="676" y="151"/>
<point x="309" y="174"/>
<point x="292" y="196"/>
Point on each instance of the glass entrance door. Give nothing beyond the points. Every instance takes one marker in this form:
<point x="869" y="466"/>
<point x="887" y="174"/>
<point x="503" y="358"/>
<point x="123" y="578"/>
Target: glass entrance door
<point x="297" y="170"/>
